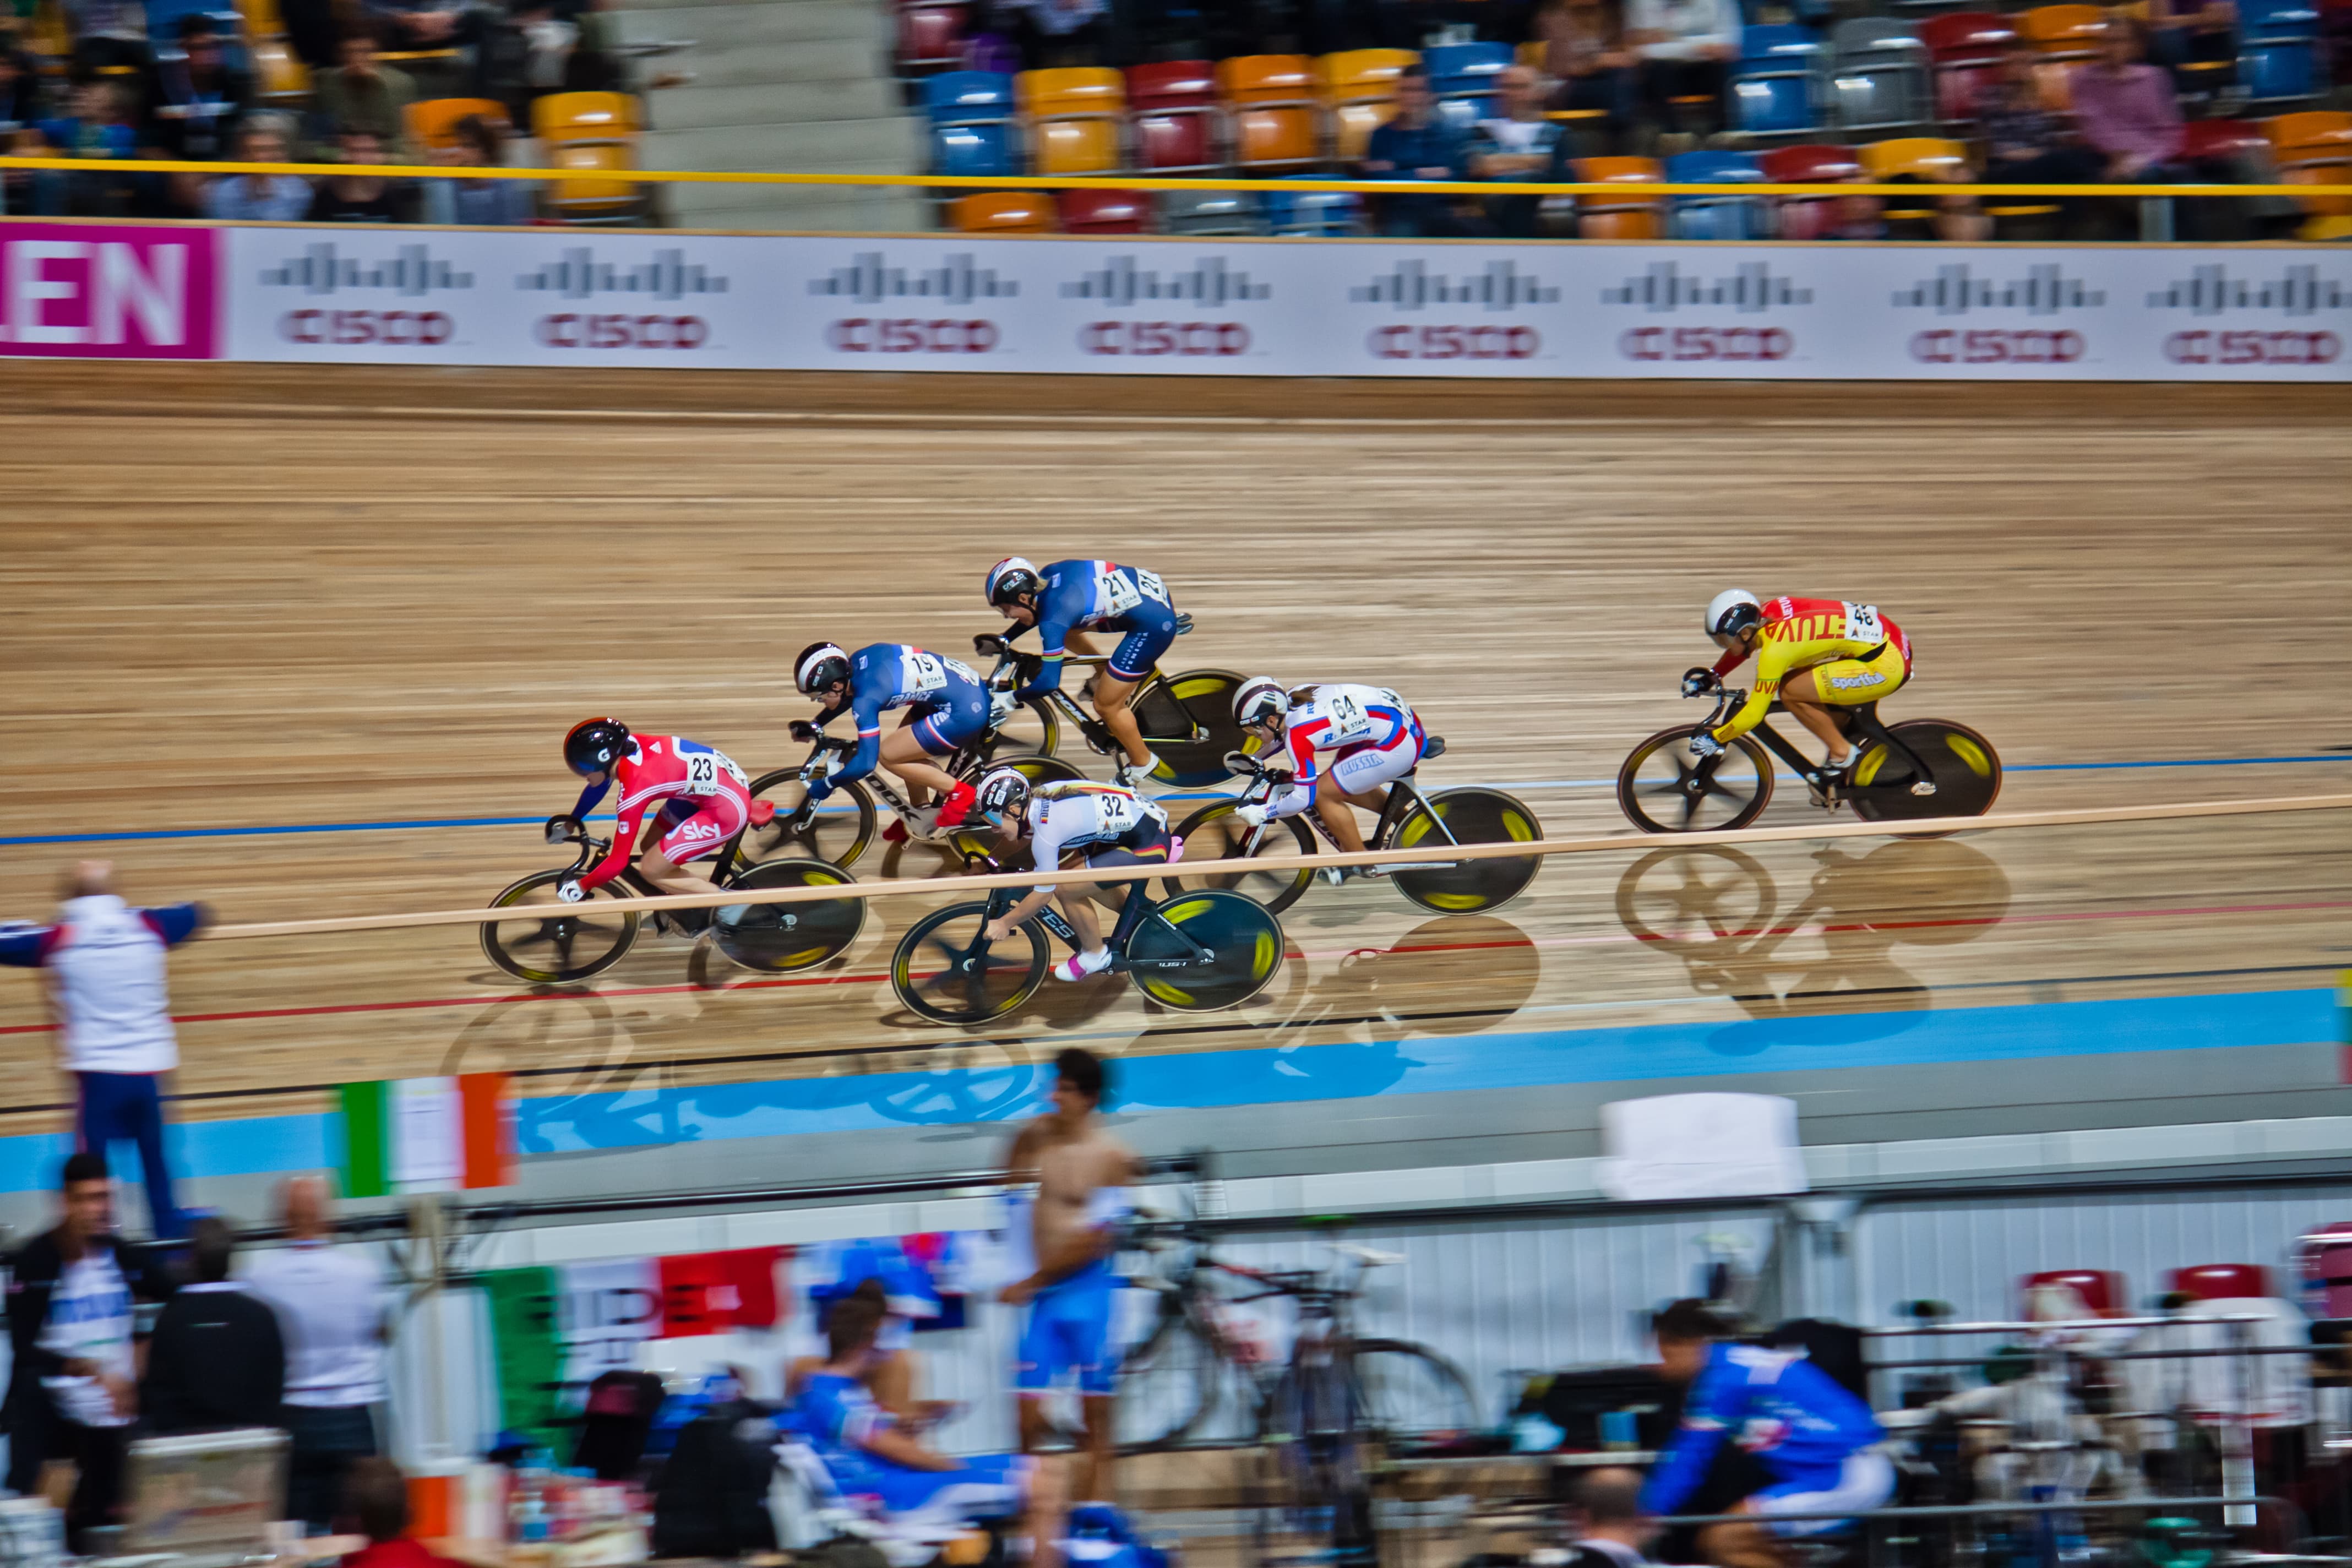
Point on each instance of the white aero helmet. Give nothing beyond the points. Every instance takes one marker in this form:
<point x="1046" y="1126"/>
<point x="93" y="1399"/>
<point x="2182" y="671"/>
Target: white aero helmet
<point x="1009" y="579"/>
<point x="1261" y="697"/>
<point x="820" y="665"/>
<point x="1001" y="798"/>
<point x="1730" y="612"/>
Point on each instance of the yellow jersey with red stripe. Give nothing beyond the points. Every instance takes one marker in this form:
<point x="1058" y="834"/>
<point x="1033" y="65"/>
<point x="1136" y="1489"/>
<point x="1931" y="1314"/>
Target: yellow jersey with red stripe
<point x="1799" y="634"/>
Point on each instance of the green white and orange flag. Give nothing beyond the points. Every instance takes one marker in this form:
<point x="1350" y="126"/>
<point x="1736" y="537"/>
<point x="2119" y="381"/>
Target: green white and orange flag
<point x="427" y="1134"/>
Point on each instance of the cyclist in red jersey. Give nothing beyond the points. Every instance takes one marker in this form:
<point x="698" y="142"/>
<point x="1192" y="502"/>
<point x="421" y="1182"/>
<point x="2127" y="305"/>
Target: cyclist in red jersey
<point x="704" y="798"/>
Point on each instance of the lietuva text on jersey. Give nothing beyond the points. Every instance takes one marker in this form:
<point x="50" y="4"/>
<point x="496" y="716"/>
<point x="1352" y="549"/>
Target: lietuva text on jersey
<point x="1797" y="634"/>
<point x="1778" y="1406"/>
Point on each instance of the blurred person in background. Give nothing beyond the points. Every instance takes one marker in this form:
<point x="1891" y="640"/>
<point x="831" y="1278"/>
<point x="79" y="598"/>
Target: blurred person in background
<point x="374" y="1501"/>
<point x="1686" y="48"/>
<point x="203" y="99"/>
<point x="20" y="88"/>
<point x="1415" y="145"/>
<point x="216" y="1358"/>
<point x="331" y="1311"/>
<point x="73" y="1373"/>
<point x="2125" y="108"/>
<point x="1051" y="33"/>
<point x="362" y="93"/>
<point x="479" y="145"/>
<point x="260" y="198"/>
<point x="1585" y="52"/>
<point x="1611" y="1530"/>
<point x="2026" y="141"/>
<point x="109" y="32"/>
<point x="426" y="25"/>
<point x="104" y="969"/>
<point x="1518" y="145"/>
<point x="2183" y="32"/>
<point x="96" y="125"/>
<point x="360" y="197"/>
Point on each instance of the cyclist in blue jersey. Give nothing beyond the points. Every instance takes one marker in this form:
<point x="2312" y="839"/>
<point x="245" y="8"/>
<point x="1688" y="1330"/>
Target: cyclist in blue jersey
<point x="877" y="1465"/>
<point x="947" y="704"/>
<point x="1809" y="1431"/>
<point x="1068" y="598"/>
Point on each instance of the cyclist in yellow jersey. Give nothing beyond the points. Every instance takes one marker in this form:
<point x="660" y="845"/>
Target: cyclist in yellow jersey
<point x="1812" y="655"/>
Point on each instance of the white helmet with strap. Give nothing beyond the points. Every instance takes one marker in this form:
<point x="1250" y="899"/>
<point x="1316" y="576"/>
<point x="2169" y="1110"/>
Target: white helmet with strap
<point x="1261" y="697"/>
<point x="1730" y="612"/>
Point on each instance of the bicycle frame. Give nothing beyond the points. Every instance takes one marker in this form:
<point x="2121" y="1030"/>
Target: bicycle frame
<point x="1096" y="733"/>
<point x="1004" y="898"/>
<point x="1403" y="796"/>
<point x="1860" y="720"/>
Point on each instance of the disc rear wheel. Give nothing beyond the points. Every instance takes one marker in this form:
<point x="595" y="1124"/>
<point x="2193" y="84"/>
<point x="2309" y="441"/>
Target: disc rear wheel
<point x="1961" y="764"/>
<point x="1468" y="816"/>
<point x="1241" y="940"/>
<point x="778" y="939"/>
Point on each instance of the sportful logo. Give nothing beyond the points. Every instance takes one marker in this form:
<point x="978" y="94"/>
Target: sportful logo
<point x="1412" y="286"/>
<point x="2212" y="291"/>
<point x="2044" y="290"/>
<point x="411" y="270"/>
<point x="1120" y="282"/>
<point x="869" y="281"/>
<point x="1666" y="288"/>
<point x="579" y="276"/>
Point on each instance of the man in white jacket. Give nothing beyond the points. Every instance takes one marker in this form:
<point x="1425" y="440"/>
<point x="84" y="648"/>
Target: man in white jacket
<point x="103" y="962"/>
<point x="1688" y="48"/>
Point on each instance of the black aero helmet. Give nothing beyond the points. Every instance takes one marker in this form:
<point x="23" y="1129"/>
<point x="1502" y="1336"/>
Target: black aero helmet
<point x="820" y="665"/>
<point x="595" y="745"/>
<point x="1010" y="578"/>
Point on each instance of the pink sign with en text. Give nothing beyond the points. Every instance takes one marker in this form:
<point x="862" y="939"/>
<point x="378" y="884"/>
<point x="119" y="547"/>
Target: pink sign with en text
<point x="110" y="290"/>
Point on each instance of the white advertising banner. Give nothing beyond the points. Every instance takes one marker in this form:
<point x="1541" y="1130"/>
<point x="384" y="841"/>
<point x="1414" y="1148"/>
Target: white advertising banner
<point x="559" y="297"/>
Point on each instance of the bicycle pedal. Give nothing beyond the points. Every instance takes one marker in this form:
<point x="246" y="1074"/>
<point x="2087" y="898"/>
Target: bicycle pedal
<point x="1925" y="786"/>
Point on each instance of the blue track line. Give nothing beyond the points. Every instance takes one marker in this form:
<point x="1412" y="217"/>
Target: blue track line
<point x="275" y="829"/>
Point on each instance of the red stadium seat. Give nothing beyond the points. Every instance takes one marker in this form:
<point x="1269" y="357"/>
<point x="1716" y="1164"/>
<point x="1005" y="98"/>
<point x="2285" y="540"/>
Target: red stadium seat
<point x="1808" y="163"/>
<point x="1172" y="113"/>
<point x="2222" y="1281"/>
<point x="1089" y="211"/>
<point x="930" y="38"/>
<point x="2103" y="1290"/>
<point x="1965" y="51"/>
<point x="2221" y="138"/>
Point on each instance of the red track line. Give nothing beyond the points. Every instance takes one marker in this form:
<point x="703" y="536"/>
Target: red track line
<point x="1601" y="940"/>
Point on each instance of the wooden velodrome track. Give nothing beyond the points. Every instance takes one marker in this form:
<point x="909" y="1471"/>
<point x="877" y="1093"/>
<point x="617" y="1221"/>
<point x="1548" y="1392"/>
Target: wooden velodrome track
<point x="243" y="598"/>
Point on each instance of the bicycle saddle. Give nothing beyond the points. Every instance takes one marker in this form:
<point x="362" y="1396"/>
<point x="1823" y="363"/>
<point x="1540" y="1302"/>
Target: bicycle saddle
<point x="1435" y="748"/>
<point x="1369" y="1257"/>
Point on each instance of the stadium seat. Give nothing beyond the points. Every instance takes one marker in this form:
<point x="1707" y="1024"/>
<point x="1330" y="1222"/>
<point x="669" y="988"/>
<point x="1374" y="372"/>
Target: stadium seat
<point x="1088" y="211"/>
<point x="969" y="97"/>
<point x="2278" y="51"/>
<point x="1173" y="109"/>
<point x="1613" y="217"/>
<point x="1271" y="110"/>
<point x="1964" y="51"/>
<point x="1806" y="217"/>
<point x="1534" y="54"/>
<point x="1774" y="86"/>
<point x="982" y="150"/>
<point x="2222" y="1281"/>
<point x="1003" y="212"/>
<point x="1926" y="158"/>
<point x="591" y="130"/>
<point x="1320" y="215"/>
<point x="930" y="38"/>
<point x="1075" y="147"/>
<point x="1359" y="92"/>
<point x="1462" y="77"/>
<point x="1208" y="213"/>
<point x="2103" y="1290"/>
<point x="2313" y="148"/>
<point x="1878" y="75"/>
<point x="2063" y="32"/>
<point x="2204" y="139"/>
<point x="1266" y="78"/>
<point x="432" y="123"/>
<point x="1715" y="218"/>
<point x="278" y="78"/>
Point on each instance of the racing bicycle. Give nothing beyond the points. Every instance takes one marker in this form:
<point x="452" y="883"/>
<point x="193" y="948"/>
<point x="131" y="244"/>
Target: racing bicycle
<point x="1409" y="820"/>
<point x="552" y="943"/>
<point x="1918" y="768"/>
<point x="841" y="829"/>
<point x="1195" y="951"/>
<point x="1187" y="719"/>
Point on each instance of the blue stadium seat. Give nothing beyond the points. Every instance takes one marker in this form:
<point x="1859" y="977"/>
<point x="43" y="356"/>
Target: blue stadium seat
<point x="2278" y="50"/>
<point x="1466" y="69"/>
<point x="1774" y="87"/>
<point x="967" y="98"/>
<point x="1715" y="218"/>
<point x="982" y="150"/>
<point x="1320" y="215"/>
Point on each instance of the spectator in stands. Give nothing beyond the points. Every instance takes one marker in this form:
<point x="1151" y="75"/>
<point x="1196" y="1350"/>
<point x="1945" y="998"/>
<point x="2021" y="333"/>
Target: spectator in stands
<point x="103" y="965"/>
<point x="1956" y="218"/>
<point x="96" y="126"/>
<point x="260" y="198"/>
<point x="331" y="1308"/>
<point x="314" y="31"/>
<point x="360" y="197"/>
<point x="108" y="33"/>
<point x="1415" y="145"/>
<point x="20" y="90"/>
<point x="1686" y="49"/>
<point x="1612" y="1531"/>
<point x="216" y="1359"/>
<point x="2181" y="33"/>
<point x="73" y="1383"/>
<point x="2125" y="108"/>
<point x="364" y="93"/>
<point x="204" y="95"/>
<point x="2027" y="143"/>
<point x="373" y="1502"/>
<point x="426" y="25"/>
<point x="1584" y="50"/>
<point x="479" y="145"/>
<point x="1518" y="144"/>
<point x="1056" y="32"/>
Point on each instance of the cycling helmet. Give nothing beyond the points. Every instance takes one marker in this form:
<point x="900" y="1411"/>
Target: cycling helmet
<point x="820" y="665"/>
<point x="1261" y="697"/>
<point x="1730" y="612"/>
<point x="1010" y="578"/>
<point x="595" y="745"/>
<point x="1003" y="796"/>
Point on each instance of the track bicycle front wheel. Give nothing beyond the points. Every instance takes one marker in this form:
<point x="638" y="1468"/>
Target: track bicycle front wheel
<point x="1214" y="833"/>
<point x="945" y="970"/>
<point x="777" y="939"/>
<point x="549" y="942"/>
<point x="1662" y="788"/>
<point x="1242" y="938"/>
<point x="1470" y="816"/>
<point x="840" y="830"/>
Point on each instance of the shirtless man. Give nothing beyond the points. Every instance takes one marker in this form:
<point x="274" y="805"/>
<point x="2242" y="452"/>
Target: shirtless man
<point x="1079" y="1171"/>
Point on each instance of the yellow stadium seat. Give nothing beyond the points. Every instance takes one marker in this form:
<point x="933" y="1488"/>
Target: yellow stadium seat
<point x="1923" y="157"/>
<point x="1266" y="78"/>
<point x="1275" y="136"/>
<point x="591" y="130"/>
<point x="2063" y="32"/>
<point x="2324" y="130"/>
<point x="1357" y="88"/>
<point x="1531" y="54"/>
<point x="584" y="117"/>
<point x="262" y="18"/>
<point x="1075" y="147"/>
<point x="1004" y="212"/>
<point x="2321" y="174"/>
<point x="277" y="77"/>
<point x="1352" y="125"/>
<point x="1075" y="90"/>
<point x="2338" y="228"/>
<point x="1633" y="216"/>
<point x="1620" y="226"/>
<point x="432" y="123"/>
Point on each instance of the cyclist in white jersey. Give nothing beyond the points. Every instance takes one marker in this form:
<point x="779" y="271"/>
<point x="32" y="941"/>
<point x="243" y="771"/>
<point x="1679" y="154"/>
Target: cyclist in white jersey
<point x="1114" y="825"/>
<point x="1345" y="744"/>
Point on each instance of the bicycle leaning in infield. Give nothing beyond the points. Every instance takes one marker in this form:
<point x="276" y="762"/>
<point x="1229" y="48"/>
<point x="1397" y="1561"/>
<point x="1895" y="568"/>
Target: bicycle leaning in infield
<point x="1187" y="719"/>
<point x="551" y="942"/>
<point x="1194" y="952"/>
<point x="1409" y="820"/>
<point x="1918" y="768"/>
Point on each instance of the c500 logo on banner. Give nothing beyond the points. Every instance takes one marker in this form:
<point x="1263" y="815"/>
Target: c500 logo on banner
<point x="867" y="335"/>
<point x="2252" y="348"/>
<point x="1436" y="340"/>
<point x="1997" y="345"/>
<point x="574" y="332"/>
<point x="351" y="329"/>
<point x="1736" y="345"/>
<point x="1147" y="340"/>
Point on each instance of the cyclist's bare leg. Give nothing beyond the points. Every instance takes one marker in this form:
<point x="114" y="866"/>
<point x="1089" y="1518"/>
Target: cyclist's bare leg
<point x="1078" y="908"/>
<point x="1741" y="1546"/>
<point x="1046" y="1520"/>
<point x="1094" y="1481"/>
<point x="1336" y="807"/>
<point x="656" y="868"/>
<point x="1802" y="696"/>
<point x="904" y="755"/>
<point x="1110" y="698"/>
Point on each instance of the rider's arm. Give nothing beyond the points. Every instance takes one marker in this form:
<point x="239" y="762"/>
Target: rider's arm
<point x="589" y="798"/>
<point x="1299" y="738"/>
<point x="624" y="834"/>
<point x="1731" y="661"/>
<point x="867" y="706"/>
<point x="1771" y="664"/>
<point x="885" y="1442"/>
<point x="1708" y="1413"/>
<point x="1052" y="637"/>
